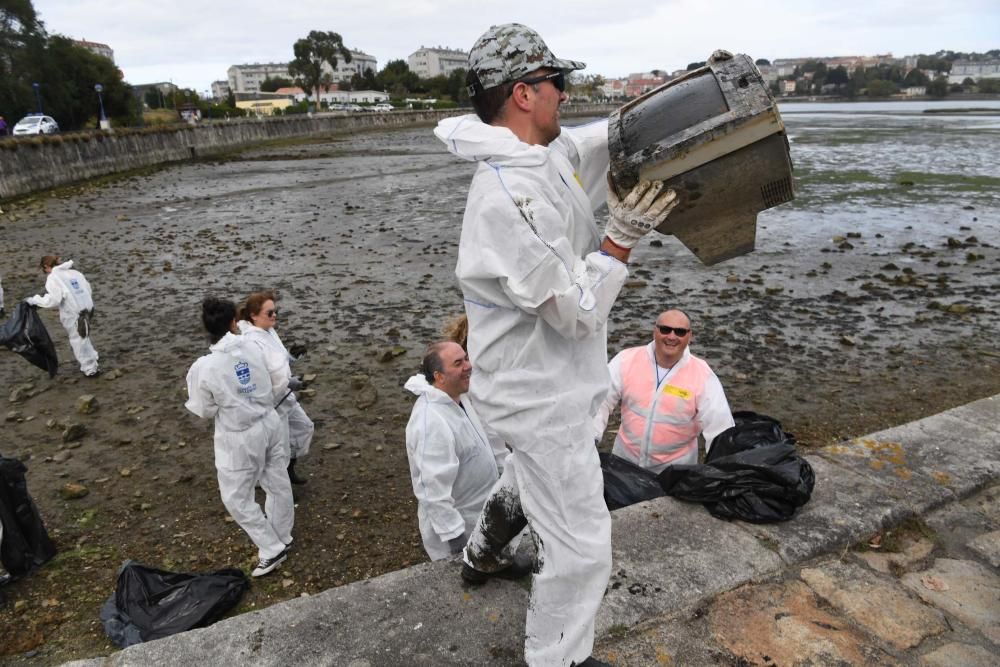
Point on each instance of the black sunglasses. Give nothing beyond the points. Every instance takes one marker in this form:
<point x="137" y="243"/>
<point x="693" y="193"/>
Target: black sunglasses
<point x="679" y="331"/>
<point x="558" y="80"/>
<point x="272" y="312"/>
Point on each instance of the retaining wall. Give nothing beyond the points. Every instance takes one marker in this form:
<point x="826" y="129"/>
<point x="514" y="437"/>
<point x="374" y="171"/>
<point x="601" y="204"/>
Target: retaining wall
<point x="41" y="163"/>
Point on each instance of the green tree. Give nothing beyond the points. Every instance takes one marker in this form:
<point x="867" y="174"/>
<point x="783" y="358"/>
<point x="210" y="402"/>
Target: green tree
<point x="915" y="78"/>
<point x="397" y="78"/>
<point x="310" y="54"/>
<point x="938" y="87"/>
<point x="692" y="66"/>
<point x="882" y="88"/>
<point x="988" y="86"/>
<point x="762" y="62"/>
<point x="364" y="81"/>
<point x="22" y="41"/>
<point x="838" y="76"/>
<point x="457" y="90"/>
<point x="271" y="84"/>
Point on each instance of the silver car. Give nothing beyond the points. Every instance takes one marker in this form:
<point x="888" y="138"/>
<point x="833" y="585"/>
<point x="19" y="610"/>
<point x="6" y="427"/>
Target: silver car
<point x="36" y="124"/>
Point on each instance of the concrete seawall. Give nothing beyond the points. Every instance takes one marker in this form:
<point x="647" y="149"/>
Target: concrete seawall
<point x="39" y="163"/>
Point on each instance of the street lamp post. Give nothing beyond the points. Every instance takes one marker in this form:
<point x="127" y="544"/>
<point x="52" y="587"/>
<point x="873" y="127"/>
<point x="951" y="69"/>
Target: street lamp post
<point x="38" y="96"/>
<point x="105" y="125"/>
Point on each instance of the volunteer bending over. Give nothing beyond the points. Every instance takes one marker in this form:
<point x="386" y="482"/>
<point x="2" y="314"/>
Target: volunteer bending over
<point x="231" y="384"/>
<point x="67" y="290"/>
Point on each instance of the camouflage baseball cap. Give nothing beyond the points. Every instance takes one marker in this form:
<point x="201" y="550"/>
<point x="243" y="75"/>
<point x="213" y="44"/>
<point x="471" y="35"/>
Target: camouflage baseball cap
<point x="509" y="51"/>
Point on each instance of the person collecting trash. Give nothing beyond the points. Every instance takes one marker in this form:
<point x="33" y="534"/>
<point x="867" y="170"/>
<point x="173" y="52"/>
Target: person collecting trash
<point x="232" y="385"/>
<point x="67" y="290"/>
<point x="3" y="313"/>
<point x="258" y="315"/>
<point x="452" y="465"/>
<point x="539" y="282"/>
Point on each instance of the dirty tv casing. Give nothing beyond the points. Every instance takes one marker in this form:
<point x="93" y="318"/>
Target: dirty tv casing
<point x="714" y="135"/>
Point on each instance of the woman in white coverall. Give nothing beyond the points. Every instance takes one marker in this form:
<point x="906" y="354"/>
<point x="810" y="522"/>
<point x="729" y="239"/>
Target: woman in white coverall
<point x="67" y="290"/>
<point x="452" y="465"/>
<point x="258" y="315"/>
<point x="232" y="385"/>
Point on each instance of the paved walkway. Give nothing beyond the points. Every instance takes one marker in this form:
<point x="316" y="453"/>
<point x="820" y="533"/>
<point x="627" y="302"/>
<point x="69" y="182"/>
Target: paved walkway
<point x="688" y="589"/>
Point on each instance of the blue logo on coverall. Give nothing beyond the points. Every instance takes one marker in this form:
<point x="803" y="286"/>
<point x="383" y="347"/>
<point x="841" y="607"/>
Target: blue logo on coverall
<point x="243" y="375"/>
<point x="75" y="284"/>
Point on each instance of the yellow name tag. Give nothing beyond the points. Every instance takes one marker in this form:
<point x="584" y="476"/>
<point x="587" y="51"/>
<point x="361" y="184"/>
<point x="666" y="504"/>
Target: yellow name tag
<point x="676" y="391"/>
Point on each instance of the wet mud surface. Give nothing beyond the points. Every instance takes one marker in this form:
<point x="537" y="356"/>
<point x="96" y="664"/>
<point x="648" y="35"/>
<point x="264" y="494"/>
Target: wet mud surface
<point x="870" y="301"/>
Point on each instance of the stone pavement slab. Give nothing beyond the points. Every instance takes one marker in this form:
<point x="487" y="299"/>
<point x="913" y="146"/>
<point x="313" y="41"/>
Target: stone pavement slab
<point x="783" y="624"/>
<point x="964" y="589"/>
<point x="959" y="655"/>
<point x="988" y="547"/>
<point x="882" y="607"/>
<point x="668" y="554"/>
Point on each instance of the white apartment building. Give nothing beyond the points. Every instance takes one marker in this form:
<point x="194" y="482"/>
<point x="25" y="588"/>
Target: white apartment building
<point x="247" y="78"/>
<point x="973" y="69"/>
<point x="220" y="90"/>
<point x="96" y="47"/>
<point x="427" y="62"/>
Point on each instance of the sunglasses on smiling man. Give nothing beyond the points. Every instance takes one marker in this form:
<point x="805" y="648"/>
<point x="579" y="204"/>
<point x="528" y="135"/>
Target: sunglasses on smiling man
<point x="680" y="332"/>
<point x="558" y="80"/>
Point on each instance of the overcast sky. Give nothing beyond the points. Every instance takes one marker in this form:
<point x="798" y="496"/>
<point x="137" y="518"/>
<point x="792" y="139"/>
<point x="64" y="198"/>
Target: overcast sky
<point x="193" y="42"/>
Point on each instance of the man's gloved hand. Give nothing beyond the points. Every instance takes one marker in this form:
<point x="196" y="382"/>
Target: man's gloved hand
<point x="644" y="208"/>
<point x="719" y="55"/>
<point x="456" y="544"/>
<point x="295" y="383"/>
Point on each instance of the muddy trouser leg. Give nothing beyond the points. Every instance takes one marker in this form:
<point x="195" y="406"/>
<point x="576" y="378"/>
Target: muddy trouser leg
<point x="239" y="463"/>
<point x="491" y="545"/>
<point x="300" y="431"/>
<point x="83" y="349"/>
<point x="561" y="490"/>
<point x="278" y="504"/>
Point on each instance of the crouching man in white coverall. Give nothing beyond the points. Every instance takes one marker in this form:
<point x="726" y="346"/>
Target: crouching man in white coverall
<point x="232" y="385"/>
<point x="452" y="465"/>
<point x="539" y="282"/>
<point x="67" y="290"/>
<point x="668" y="397"/>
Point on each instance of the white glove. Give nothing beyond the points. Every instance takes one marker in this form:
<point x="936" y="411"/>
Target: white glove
<point x="644" y="208"/>
<point x="719" y="55"/>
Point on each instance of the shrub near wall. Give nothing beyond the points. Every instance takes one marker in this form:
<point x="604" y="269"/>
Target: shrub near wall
<point x="41" y="163"/>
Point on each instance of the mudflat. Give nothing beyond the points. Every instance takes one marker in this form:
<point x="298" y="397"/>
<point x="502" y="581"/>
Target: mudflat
<point x="870" y="301"/>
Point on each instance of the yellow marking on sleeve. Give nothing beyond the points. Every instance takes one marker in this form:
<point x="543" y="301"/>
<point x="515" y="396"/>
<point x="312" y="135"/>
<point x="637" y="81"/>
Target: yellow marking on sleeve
<point x="676" y="391"/>
<point x="578" y="179"/>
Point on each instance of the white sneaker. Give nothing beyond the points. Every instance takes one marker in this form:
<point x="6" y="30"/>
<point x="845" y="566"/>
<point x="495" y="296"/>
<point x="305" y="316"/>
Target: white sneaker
<point x="267" y="564"/>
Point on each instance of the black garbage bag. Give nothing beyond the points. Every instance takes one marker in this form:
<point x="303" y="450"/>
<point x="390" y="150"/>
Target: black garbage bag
<point x="149" y="603"/>
<point x="626" y="483"/>
<point x="751" y="430"/>
<point x="760" y="485"/>
<point x="752" y="473"/>
<point x="24" y="333"/>
<point x="24" y="543"/>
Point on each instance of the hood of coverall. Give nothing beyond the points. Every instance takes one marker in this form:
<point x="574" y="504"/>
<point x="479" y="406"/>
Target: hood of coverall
<point x="64" y="266"/>
<point x="227" y="343"/>
<point x="418" y="385"/>
<point x="471" y="139"/>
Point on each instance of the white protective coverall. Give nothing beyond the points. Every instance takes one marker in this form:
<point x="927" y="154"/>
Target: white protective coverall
<point x="706" y="411"/>
<point x="452" y="465"/>
<point x="537" y="294"/>
<point x="232" y="385"/>
<point x="68" y="290"/>
<point x="276" y="359"/>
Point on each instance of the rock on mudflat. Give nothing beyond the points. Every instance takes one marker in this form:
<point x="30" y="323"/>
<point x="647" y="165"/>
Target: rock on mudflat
<point x="21" y="392"/>
<point x="72" y="491"/>
<point x="74" y="432"/>
<point x="86" y="404"/>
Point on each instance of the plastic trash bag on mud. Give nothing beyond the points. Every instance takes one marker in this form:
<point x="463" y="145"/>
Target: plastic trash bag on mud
<point x="626" y="483"/>
<point x="24" y="333"/>
<point x="24" y="542"/>
<point x="756" y="476"/>
<point x="149" y="603"/>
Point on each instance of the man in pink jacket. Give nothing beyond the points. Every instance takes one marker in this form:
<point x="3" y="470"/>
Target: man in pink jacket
<point x="668" y="397"/>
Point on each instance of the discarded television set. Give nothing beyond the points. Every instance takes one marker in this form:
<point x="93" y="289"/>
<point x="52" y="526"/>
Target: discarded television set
<point x="715" y="136"/>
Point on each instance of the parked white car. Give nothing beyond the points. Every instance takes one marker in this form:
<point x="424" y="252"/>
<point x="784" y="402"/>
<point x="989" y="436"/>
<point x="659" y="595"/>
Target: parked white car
<point x="36" y="124"/>
<point x="384" y="106"/>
